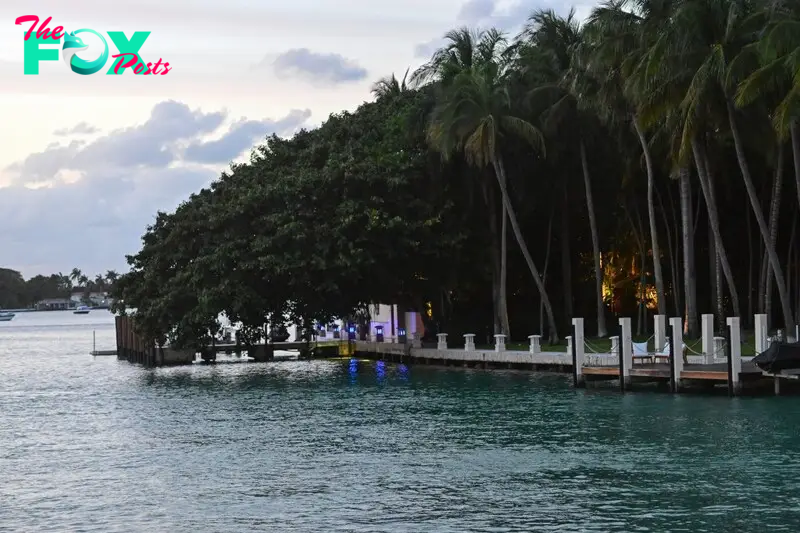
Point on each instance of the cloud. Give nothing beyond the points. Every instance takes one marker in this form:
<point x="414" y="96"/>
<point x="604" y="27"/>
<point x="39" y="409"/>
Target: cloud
<point x="474" y="10"/>
<point x="82" y="128"/>
<point x="506" y="17"/>
<point x="318" y="68"/>
<point x="87" y="204"/>
<point x="425" y="50"/>
<point x="242" y="135"/>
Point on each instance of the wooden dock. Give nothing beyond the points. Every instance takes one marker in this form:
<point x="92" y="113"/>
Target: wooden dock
<point x="133" y="348"/>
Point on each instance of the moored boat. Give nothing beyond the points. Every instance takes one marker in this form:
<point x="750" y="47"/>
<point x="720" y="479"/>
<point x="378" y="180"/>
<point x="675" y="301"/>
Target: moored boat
<point x="82" y="310"/>
<point x="6" y="317"/>
<point x="780" y="356"/>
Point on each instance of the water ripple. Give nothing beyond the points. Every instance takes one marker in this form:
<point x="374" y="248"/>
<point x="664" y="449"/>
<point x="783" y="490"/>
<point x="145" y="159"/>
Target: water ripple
<point x="95" y="445"/>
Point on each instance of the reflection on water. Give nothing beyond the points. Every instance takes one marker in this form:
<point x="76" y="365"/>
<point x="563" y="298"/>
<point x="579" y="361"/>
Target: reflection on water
<point x="92" y="444"/>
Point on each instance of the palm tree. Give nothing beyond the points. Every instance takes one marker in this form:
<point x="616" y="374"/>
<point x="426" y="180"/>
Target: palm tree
<point x="111" y="277"/>
<point x="390" y="86"/>
<point x="550" y="43"/>
<point x="778" y="53"/>
<point x="75" y="275"/>
<point x="466" y="50"/>
<point x="709" y="32"/>
<point x="668" y="87"/>
<point x="472" y="116"/>
<point x="617" y="38"/>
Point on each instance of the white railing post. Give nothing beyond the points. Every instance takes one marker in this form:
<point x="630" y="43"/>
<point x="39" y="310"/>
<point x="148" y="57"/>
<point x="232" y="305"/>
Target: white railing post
<point x="499" y="343"/>
<point x="627" y="351"/>
<point x="580" y="349"/>
<point x="416" y="340"/>
<point x="734" y="323"/>
<point x="469" y="342"/>
<point x="442" y="343"/>
<point x="569" y="346"/>
<point x="677" y="347"/>
<point x="718" y="352"/>
<point x="761" y="333"/>
<point x="536" y="343"/>
<point x="707" y="331"/>
<point x="614" y="345"/>
<point x="660" y="337"/>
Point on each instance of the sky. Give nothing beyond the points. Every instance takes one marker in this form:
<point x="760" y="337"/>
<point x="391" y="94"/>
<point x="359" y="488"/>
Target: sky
<point x="87" y="161"/>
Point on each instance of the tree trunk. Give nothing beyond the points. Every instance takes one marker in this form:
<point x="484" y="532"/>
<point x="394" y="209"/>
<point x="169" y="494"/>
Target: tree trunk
<point x="750" y="265"/>
<point x="598" y="272"/>
<point x="721" y="323"/>
<point x="674" y="254"/>
<point x="671" y="254"/>
<point x="497" y="162"/>
<point x="689" y="274"/>
<point x="546" y="266"/>
<point x="795" y="135"/>
<point x="503" y="298"/>
<point x="566" y="260"/>
<point x="641" y="305"/>
<point x="780" y="281"/>
<point x="713" y="256"/>
<point x="491" y="208"/>
<point x="651" y="210"/>
<point x="704" y="176"/>
<point x="774" y="215"/>
<point x="790" y="275"/>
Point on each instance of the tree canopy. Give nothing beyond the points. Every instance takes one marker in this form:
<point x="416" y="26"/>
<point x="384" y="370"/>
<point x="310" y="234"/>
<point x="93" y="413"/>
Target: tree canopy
<point x="639" y="159"/>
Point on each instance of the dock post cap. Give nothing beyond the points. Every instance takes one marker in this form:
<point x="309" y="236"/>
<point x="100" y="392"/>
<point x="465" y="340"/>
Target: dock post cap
<point x="534" y="336"/>
<point x="498" y="335"/>
<point x="440" y="335"/>
<point x="467" y="334"/>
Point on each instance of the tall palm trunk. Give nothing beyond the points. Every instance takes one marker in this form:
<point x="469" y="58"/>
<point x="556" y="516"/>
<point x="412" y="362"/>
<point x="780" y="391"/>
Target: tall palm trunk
<point x="500" y="172"/>
<point x="674" y="255"/>
<point x="689" y="274"/>
<point x="491" y="208"/>
<point x="751" y="260"/>
<point x="762" y="225"/>
<point x="546" y="266"/>
<point x="651" y="211"/>
<point x="713" y="281"/>
<point x="774" y="215"/>
<point x="795" y="135"/>
<point x="503" y="296"/>
<point x="673" y="270"/>
<point x="720" y="292"/>
<point x="790" y="275"/>
<point x="598" y="273"/>
<point x="713" y="218"/>
<point x="566" y="259"/>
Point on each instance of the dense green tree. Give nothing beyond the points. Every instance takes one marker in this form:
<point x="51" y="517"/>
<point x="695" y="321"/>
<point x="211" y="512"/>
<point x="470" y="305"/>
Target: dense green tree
<point x="638" y="106"/>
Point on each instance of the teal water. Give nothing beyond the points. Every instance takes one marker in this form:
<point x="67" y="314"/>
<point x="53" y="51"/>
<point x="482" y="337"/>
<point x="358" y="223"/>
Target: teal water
<point x="96" y="445"/>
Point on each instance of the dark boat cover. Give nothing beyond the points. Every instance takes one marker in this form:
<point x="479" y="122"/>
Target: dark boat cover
<point x="780" y="356"/>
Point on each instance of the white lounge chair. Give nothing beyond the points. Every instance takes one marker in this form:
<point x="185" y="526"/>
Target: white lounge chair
<point x="641" y="354"/>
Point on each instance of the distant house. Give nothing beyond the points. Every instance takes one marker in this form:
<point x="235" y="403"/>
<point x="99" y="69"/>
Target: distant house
<point x="54" y="304"/>
<point x="98" y="299"/>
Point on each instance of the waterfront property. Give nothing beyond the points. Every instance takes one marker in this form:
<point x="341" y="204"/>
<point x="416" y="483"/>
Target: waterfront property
<point x="54" y="304"/>
<point x="671" y="363"/>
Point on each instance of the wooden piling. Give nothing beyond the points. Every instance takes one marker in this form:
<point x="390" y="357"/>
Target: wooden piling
<point x="729" y="360"/>
<point x="673" y="382"/>
<point x="574" y="358"/>
<point x="620" y="344"/>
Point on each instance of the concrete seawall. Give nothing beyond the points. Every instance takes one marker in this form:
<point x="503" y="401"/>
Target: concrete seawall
<point x="557" y="361"/>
